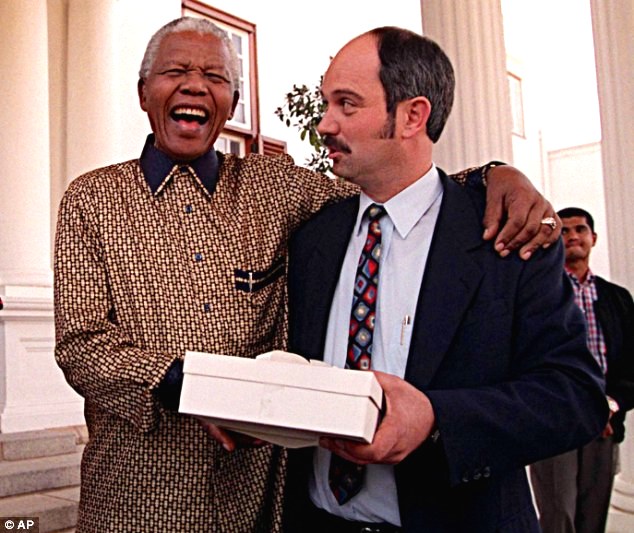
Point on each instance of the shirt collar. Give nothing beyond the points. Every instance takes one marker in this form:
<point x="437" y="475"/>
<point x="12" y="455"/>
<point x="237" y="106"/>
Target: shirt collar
<point x="158" y="167"/>
<point x="408" y="206"/>
<point x="589" y="277"/>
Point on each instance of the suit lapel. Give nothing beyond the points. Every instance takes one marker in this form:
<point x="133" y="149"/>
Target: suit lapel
<point x="450" y="280"/>
<point x="323" y="266"/>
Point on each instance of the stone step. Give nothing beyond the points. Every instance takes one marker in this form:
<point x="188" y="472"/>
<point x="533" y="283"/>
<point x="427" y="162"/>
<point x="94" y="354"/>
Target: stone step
<point x="56" y="509"/>
<point x="44" y="443"/>
<point x="39" y="474"/>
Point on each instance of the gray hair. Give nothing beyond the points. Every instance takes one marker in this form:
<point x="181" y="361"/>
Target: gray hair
<point x="199" y="25"/>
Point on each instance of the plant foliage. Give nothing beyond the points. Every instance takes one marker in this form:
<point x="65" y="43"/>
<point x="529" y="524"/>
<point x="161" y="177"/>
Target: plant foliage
<point x="303" y="108"/>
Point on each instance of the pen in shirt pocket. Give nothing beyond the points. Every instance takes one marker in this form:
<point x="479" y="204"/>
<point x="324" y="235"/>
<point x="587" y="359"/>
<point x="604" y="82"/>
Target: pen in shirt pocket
<point x="407" y="320"/>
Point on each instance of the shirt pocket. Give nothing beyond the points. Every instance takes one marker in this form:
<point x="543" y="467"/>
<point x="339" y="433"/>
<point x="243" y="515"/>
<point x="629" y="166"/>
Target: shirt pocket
<point x="398" y="344"/>
<point x="259" y="286"/>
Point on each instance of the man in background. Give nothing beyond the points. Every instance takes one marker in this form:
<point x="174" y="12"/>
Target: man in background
<point x="573" y="489"/>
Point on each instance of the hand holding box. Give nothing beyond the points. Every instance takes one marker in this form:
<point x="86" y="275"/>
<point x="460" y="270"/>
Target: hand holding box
<point x="281" y="397"/>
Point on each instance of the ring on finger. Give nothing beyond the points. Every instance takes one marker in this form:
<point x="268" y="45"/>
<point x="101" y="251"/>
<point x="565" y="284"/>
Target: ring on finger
<point x="549" y="221"/>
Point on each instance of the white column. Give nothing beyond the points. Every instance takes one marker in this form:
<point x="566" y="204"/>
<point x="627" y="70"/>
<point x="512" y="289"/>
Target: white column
<point x="25" y="245"/>
<point x="70" y="67"/>
<point x="106" y="42"/>
<point x="613" y="26"/>
<point x="93" y="85"/>
<point x="479" y="127"/>
<point x="33" y="393"/>
<point x="96" y="47"/>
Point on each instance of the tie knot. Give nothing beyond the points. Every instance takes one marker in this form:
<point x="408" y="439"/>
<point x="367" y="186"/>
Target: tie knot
<point x="375" y="212"/>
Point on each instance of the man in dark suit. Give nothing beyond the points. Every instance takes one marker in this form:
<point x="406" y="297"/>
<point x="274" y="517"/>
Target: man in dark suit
<point x="573" y="489"/>
<point x="482" y="360"/>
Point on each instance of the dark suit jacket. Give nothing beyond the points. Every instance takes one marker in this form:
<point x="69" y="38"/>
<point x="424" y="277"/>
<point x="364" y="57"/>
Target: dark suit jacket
<point x="499" y="347"/>
<point x="615" y="312"/>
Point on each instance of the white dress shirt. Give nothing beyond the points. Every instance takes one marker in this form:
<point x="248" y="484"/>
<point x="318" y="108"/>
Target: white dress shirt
<point x="406" y="233"/>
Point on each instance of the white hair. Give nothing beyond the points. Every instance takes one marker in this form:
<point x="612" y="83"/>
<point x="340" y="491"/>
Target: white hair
<point x="199" y="25"/>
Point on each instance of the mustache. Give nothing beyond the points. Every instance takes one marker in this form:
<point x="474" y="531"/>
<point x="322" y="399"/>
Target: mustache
<point x="334" y="144"/>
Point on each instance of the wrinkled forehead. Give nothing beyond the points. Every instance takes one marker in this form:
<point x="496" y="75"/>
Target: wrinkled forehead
<point x="193" y="46"/>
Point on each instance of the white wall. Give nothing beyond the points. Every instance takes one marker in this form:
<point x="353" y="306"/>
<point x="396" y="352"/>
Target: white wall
<point x="553" y="40"/>
<point x="549" y="44"/>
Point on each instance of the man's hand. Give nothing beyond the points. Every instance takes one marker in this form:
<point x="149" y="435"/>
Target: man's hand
<point x="510" y="194"/>
<point x="229" y="440"/>
<point x="408" y="421"/>
<point x="607" y="431"/>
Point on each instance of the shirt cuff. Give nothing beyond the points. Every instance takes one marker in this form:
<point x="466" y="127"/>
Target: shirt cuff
<point x="169" y="390"/>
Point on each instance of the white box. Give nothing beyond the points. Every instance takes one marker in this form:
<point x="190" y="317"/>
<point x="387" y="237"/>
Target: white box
<point x="281" y="397"/>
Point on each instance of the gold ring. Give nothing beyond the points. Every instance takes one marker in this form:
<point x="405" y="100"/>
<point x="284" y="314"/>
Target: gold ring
<point x="549" y="221"/>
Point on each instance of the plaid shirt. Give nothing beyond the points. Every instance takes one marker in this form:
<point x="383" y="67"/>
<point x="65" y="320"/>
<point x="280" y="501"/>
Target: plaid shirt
<point x="585" y="296"/>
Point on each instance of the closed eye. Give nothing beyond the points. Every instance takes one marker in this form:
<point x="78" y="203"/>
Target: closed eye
<point x="216" y="78"/>
<point x="174" y="72"/>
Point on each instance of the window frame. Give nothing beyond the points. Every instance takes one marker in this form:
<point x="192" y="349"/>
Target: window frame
<point x="516" y="96"/>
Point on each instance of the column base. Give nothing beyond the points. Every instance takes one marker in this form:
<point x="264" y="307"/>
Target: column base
<point x="33" y="391"/>
<point x="26" y="283"/>
<point x="15" y="419"/>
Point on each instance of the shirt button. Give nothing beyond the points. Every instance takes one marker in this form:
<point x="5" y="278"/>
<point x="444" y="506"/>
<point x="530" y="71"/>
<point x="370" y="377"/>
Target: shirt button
<point x="189" y="209"/>
<point x="198" y="257"/>
<point x="486" y="472"/>
<point x="207" y="308"/>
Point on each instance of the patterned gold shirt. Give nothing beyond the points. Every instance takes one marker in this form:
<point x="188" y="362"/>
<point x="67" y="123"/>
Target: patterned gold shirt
<point x="140" y="277"/>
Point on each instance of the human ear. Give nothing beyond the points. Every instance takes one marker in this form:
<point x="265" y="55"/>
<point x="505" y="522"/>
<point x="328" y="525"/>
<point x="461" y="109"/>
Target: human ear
<point x="236" y="98"/>
<point x="140" y="87"/>
<point x="415" y="113"/>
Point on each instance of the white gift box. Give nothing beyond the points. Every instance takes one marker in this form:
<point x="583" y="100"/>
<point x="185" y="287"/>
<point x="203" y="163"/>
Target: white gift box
<point x="281" y="397"/>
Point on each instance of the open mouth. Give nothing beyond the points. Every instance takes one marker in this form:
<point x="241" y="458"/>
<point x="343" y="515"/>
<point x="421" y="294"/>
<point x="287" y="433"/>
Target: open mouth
<point x="190" y="114"/>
